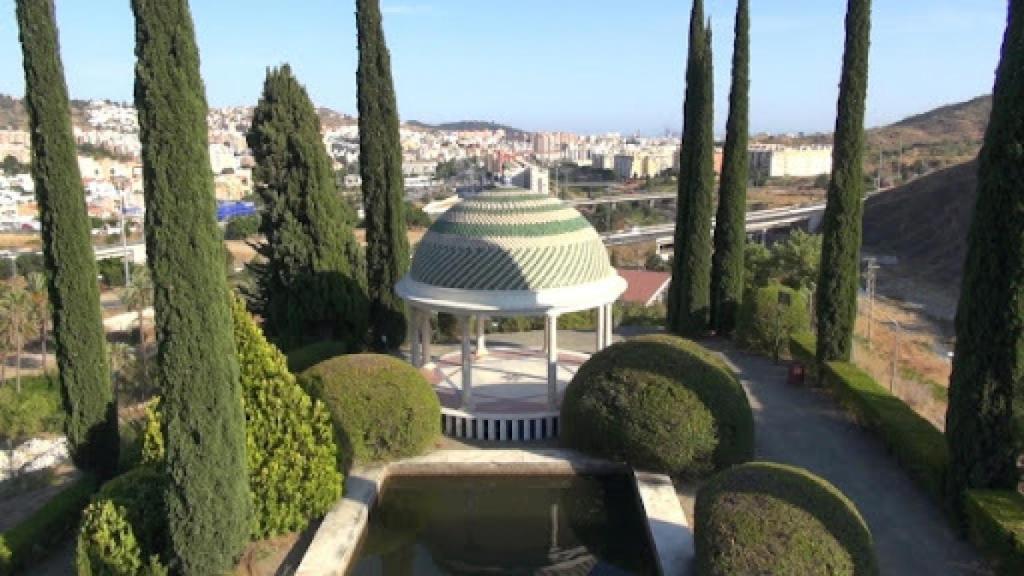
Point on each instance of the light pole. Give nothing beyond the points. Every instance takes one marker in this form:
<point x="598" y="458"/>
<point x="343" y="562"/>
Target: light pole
<point x="871" y="270"/>
<point x="124" y="237"/>
<point x="896" y="355"/>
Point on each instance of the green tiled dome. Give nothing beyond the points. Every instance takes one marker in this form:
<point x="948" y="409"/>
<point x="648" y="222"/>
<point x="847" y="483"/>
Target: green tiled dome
<point x="510" y="239"/>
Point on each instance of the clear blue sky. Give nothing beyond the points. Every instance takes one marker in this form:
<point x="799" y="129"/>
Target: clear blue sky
<point x="579" y="65"/>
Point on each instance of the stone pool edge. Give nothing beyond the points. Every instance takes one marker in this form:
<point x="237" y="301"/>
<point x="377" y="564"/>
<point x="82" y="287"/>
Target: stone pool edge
<point x="338" y="537"/>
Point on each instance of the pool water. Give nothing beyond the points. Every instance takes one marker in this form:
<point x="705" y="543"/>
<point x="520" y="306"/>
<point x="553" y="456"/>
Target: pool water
<point x="506" y="525"/>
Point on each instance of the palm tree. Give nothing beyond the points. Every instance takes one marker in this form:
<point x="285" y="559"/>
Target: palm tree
<point x="138" y="295"/>
<point x="37" y="289"/>
<point x="16" y="306"/>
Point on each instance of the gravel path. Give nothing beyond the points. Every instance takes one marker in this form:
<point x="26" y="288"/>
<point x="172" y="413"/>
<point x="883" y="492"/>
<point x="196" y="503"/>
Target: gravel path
<point x="805" y="428"/>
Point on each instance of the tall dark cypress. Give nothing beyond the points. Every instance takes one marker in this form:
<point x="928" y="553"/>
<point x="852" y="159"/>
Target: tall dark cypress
<point x="730" y="223"/>
<point x="840" y="249"/>
<point x="985" y="419"/>
<point x="380" y="165"/>
<point x="690" y="291"/>
<point x="204" y="427"/>
<point x="86" y="390"/>
<point x="311" y="284"/>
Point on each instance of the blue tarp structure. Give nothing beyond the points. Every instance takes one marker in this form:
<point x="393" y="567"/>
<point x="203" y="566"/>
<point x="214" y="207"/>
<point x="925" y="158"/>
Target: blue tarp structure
<point x="227" y="210"/>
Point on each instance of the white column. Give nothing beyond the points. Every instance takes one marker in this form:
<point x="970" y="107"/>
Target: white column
<point x="551" y="322"/>
<point x="467" y="364"/>
<point x="414" y="337"/>
<point x="544" y="345"/>
<point x="600" y="330"/>
<point x="481" y="331"/>
<point x="609" y="325"/>
<point x="425" y="337"/>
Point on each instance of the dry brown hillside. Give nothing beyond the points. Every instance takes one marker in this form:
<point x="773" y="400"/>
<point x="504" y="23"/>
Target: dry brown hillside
<point x="924" y="224"/>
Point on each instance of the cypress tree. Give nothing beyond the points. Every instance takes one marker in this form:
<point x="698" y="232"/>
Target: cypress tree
<point x="840" y="247"/>
<point x="310" y="286"/>
<point x="690" y="291"/>
<point x="730" y="223"/>
<point x="380" y="165"/>
<point x="204" y="428"/>
<point x="86" y="391"/>
<point x="985" y="418"/>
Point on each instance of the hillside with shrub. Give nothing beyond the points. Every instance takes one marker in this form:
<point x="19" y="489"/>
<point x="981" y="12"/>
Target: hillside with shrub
<point x="924" y="224"/>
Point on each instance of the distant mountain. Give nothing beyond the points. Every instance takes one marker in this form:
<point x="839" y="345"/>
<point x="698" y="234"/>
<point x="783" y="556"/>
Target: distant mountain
<point x="467" y="125"/>
<point x="962" y="122"/>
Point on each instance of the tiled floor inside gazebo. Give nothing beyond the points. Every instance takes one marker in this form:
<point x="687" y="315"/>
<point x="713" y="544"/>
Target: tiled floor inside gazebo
<point x="509" y="393"/>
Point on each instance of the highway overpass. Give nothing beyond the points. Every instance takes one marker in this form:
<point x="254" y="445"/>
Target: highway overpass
<point x="760" y="221"/>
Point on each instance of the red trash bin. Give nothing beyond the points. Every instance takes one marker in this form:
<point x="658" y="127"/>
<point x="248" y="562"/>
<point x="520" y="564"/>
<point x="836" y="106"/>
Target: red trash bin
<point x="796" y="374"/>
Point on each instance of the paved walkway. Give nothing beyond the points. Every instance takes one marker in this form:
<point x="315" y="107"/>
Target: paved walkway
<point x="803" y="427"/>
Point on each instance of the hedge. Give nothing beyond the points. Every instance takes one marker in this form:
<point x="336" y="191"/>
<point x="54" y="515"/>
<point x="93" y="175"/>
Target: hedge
<point x="659" y="403"/>
<point x="381" y="407"/>
<point x="34" y="537"/>
<point x="995" y="524"/>
<point x="766" y="518"/>
<point x="914" y="441"/>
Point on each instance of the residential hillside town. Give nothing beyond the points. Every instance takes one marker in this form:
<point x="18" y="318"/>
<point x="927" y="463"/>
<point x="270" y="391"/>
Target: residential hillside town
<point x="109" y="148"/>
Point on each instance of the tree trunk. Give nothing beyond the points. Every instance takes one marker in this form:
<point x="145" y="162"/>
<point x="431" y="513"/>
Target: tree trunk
<point x="42" y="338"/>
<point x="17" y="365"/>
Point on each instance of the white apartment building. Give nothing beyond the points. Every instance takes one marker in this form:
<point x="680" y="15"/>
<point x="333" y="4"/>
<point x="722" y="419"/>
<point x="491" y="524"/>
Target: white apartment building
<point x="778" y="161"/>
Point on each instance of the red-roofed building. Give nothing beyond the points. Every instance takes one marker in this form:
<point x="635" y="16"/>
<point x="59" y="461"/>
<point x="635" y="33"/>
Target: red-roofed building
<point x="645" y="287"/>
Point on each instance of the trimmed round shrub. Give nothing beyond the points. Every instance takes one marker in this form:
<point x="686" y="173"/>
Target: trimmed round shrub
<point x="382" y="407"/>
<point x="659" y="403"/>
<point x="765" y="518"/>
<point x="124" y="529"/>
<point x="304" y="358"/>
<point x="765" y="325"/>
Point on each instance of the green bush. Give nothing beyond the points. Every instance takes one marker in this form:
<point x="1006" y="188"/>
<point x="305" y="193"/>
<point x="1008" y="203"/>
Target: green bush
<point x="124" y="529"/>
<point x="995" y="524"/>
<point x="33" y="411"/>
<point x="290" y="449"/>
<point x="301" y="359"/>
<point x="36" y="536"/>
<point x="764" y="325"/>
<point x="659" y="403"/>
<point x="915" y="442"/>
<point x="382" y="407"/>
<point x="242" y="227"/>
<point x="764" y="518"/>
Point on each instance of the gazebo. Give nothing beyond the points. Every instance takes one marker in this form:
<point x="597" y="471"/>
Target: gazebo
<point x="507" y="252"/>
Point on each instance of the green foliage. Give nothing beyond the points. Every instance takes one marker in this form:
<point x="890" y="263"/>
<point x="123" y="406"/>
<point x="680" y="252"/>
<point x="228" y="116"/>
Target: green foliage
<point x="765" y="325"/>
<point x="382" y="407"/>
<point x="300" y="359"/>
<point x="995" y="524"/>
<point x="111" y="271"/>
<point x="633" y="314"/>
<point x="840" y="252"/>
<point x="33" y="411"/>
<point x="310" y="284"/>
<point x="985" y="418"/>
<point x="242" y="227"/>
<point x="766" y="518"/>
<point x="124" y="529"/>
<point x="153" y="450"/>
<point x="659" y="403"/>
<point x="38" y="534"/>
<point x="689" y="297"/>
<point x="730" y="228"/>
<point x="415" y="217"/>
<point x="918" y="446"/>
<point x="86" y="392"/>
<point x="380" y="165"/>
<point x="293" y="475"/>
<point x="207" y="497"/>
<point x="795" y="261"/>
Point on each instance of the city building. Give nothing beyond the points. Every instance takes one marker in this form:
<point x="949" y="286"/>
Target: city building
<point x="778" y="161"/>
